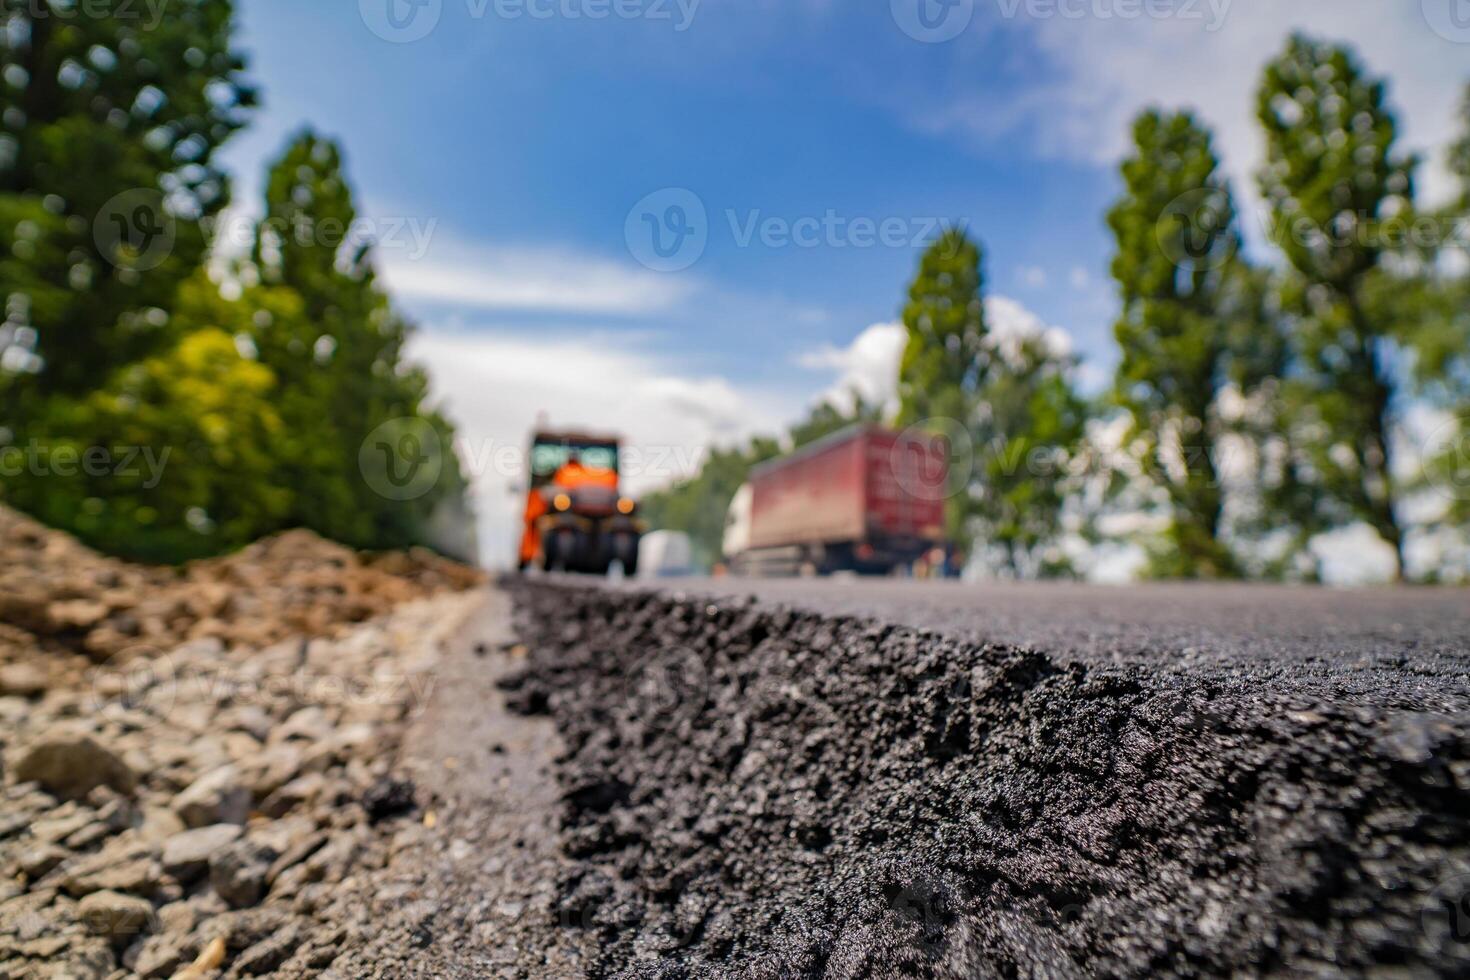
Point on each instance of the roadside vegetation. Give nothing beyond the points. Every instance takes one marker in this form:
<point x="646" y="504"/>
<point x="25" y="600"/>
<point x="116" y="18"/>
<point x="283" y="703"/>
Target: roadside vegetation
<point x="137" y="317"/>
<point x="1274" y="385"/>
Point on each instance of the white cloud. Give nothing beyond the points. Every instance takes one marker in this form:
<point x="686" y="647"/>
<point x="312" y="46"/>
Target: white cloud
<point x="494" y="386"/>
<point x="870" y="362"/>
<point x="1010" y="322"/>
<point x="1095" y="74"/>
<point x="530" y="280"/>
<point x="1031" y="276"/>
<point x="868" y="365"/>
<point x="1079" y="277"/>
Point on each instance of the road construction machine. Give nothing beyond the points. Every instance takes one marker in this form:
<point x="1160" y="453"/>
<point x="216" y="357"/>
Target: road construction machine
<point x="577" y="518"/>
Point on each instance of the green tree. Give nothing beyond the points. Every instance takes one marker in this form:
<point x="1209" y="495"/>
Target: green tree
<point x="1440" y="337"/>
<point x="107" y="181"/>
<point x="829" y="417"/>
<point x="336" y="350"/>
<point x="1185" y="318"/>
<point x="1028" y="431"/>
<point x="1333" y="182"/>
<point x="699" y="505"/>
<point x="944" y="360"/>
<point x="186" y="442"/>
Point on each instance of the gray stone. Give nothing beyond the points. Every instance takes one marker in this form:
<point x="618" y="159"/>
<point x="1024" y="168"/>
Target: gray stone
<point x="92" y="834"/>
<point x="301" y="790"/>
<point x="216" y="797"/>
<point x="134" y="869"/>
<point x="117" y="917"/>
<point x="273" y="768"/>
<point x="249" y="718"/>
<point x="62" y="822"/>
<point x="159" y="824"/>
<point x="238" y="872"/>
<point x="72" y="763"/>
<point x="269" y="954"/>
<point x="186" y="855"/>
<point x="162" y="956"/>
<point x="36" y="861"/>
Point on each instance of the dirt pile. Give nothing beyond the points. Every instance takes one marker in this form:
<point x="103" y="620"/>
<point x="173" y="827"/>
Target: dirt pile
<point x="192" y="803"/>
<point x="208" y="805"/>
<point x="57" y="594"/>
<point x="761" y="793"/>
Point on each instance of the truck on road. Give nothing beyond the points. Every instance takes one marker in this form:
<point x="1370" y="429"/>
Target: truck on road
<point x="577" y="519"/>
<point x="866" y="500"/>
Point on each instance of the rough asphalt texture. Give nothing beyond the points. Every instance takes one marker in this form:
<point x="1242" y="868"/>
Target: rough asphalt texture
<point x="880" y="780"/>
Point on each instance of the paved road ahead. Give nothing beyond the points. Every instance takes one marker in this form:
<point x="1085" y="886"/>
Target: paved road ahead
<point x="1413" y="641"/>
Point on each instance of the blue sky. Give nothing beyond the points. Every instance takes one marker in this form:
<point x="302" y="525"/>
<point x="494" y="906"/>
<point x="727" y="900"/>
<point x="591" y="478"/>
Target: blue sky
<point x="518" y="145"/>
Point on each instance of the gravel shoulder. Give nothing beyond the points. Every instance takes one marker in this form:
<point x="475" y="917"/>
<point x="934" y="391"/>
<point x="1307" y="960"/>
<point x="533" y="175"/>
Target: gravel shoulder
<point x="469" y="891"/>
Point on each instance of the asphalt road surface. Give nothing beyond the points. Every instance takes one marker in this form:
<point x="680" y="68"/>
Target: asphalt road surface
<point x="1417" y="641"/>
<point x="865" y="778"/>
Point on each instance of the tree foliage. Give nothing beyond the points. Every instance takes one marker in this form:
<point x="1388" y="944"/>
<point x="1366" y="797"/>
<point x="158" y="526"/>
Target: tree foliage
<point x="1333" y="180"/>
<point x="945" y="319"/>
<point x="1028" y="432"/>
<point x="107" y="180"/>
<point x="699" y="505"/>
<point x="335" y="345"/>
<point x="944" y="360"/>
<point x="1187" y="330"/>
<point x="209" y="418"/>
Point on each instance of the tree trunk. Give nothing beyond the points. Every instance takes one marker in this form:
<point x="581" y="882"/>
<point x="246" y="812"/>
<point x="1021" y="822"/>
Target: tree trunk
<point x="1375" y="452"/>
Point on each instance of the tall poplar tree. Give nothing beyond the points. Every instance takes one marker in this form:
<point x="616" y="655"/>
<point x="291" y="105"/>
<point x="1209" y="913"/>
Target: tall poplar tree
<point x="944" y="361"/>
<point x="1028" y="430"/>
<point x="1181" y="328"/>
<point x="1333" y="180"/>
<point x="339" y="360"/>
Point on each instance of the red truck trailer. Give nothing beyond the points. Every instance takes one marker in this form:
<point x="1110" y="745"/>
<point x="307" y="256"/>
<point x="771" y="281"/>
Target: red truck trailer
<point x="865" y="500"/>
